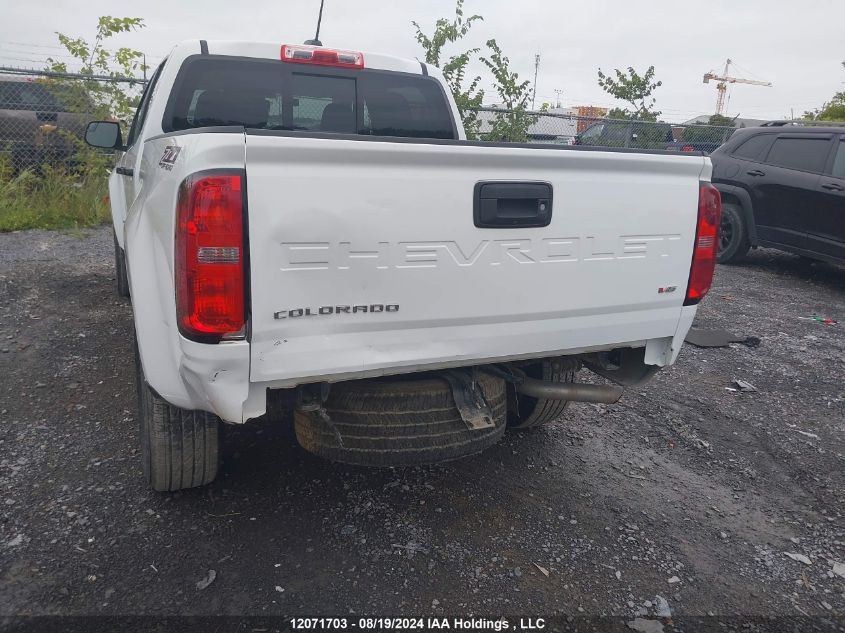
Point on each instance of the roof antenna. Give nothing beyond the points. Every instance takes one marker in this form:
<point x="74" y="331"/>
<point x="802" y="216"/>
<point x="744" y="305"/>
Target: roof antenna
<point x="316" y="41"/>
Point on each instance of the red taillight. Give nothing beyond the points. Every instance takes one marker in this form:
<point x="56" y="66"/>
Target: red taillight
<point x="210" y="257"/>
<point x="706" y="244"/>
<point x="687" y="148"/>
<point x="321" y="56"/>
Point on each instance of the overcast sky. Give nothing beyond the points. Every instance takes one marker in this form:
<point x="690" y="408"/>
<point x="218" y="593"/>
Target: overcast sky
<point x="798" y="47"/>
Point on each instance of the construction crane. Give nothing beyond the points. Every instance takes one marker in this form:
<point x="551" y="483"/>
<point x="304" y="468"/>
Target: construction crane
<point x="722" y="87"/>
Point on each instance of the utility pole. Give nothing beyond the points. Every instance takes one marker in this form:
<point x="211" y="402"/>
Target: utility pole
<point x="558" y="93"/>
<point x="536" y="72"/>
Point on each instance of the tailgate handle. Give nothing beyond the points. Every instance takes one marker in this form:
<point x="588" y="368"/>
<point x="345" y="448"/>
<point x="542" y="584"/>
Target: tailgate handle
<point x="500" y="205"/>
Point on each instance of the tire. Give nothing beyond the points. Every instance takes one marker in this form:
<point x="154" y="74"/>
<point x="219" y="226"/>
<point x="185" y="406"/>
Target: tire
<point x="525" y="412"/>
<point x="398" y="422"/>
<point x="733" y="235"/>
<point x="120" y="270"/>
<point x="180" y="449"/>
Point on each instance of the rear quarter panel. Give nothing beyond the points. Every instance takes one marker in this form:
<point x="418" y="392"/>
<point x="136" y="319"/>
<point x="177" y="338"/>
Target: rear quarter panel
<point x="187" y="374"/>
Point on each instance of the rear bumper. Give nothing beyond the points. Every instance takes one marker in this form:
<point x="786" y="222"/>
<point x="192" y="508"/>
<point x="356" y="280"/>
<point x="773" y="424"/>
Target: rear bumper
<point x="222" y="379"/>
<point x="351" y="355"/>
<point x="217" y="378"/>
<point x="231" y="379"/>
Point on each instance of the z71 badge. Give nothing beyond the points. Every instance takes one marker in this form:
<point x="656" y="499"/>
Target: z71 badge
<point x="168" y="159"/>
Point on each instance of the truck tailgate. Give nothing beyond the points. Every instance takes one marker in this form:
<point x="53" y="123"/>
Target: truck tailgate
<point x="365" y="258"/>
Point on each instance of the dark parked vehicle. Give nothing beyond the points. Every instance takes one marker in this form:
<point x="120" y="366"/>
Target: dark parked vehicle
<point x="35" y="125"/>
<point x="782" y="186"/>
<point x="702" y="138"/>
<point x="646" y="135"/>
<point x="705" y="147"/>
<point x="620" y="133"/>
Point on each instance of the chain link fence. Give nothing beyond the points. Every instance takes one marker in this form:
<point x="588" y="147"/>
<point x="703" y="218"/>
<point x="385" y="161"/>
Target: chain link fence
<point x="560" y="127"/>
<point x="572" y="128"/>
<point x="43" y="116"/>
<point x="49" y="177"/>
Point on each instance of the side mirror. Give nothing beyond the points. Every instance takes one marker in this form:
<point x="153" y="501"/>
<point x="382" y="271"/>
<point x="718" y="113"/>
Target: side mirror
<point x="104" y="134"/>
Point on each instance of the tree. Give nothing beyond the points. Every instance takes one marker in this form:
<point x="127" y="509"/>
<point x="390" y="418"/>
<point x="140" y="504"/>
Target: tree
<point x="701" y="133"/>
<point x="110" y="98"/>
<point x="96" y="98"/>
<point x="721" y="121"/>
<point x="833" y="110"/>
<point x="469" y="98"/>
<point x="634" y="89"/>
<point x="513" y="122"/>
<point x="515" y="95"/>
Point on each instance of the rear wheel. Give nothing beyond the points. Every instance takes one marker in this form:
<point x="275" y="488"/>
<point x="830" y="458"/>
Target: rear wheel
<point x="733" y="235"/>
<point x="525" y="412"/>
<point x="120" y="270"/>
<point x="179" y="448"/>
<point x="398" y="422"/>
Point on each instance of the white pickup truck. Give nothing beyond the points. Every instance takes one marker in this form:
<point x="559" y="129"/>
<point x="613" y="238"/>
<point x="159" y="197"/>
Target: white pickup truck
<point x="309" y="222"/>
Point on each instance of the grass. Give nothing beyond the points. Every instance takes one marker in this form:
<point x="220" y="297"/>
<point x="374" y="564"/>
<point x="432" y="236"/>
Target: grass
<point x="52" y="198"/>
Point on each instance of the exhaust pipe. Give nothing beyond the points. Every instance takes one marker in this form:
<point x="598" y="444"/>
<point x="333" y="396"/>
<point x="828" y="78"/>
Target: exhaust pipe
<point x="574" y="392"/>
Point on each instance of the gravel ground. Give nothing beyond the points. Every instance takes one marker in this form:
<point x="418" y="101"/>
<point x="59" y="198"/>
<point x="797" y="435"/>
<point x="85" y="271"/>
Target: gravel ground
<point x="684" y="493"/>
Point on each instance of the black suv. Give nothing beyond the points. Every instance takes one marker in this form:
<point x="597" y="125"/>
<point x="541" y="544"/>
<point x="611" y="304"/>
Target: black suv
<point x="783" y="186"/>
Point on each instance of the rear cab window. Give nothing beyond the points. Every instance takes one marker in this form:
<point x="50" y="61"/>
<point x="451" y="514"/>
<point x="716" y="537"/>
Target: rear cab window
<point x="268" y="94"/>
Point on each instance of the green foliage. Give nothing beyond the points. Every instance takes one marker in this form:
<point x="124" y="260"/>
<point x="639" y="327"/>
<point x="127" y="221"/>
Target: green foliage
<point x="722" y="121"/>
<point x="75" y="194"/>
<point x="833" y="110"/>
<point x="515" y="96"/>
<point x="51" y="198"/>
<point x="110" y="99"/>
<point x="468" y="98"/>
<point x="634" y="89"/>
<point x="618" y="113"/>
